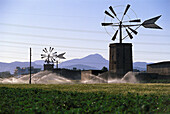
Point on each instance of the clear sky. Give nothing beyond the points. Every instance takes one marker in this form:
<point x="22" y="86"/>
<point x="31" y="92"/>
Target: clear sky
<point x="74" y="27"/>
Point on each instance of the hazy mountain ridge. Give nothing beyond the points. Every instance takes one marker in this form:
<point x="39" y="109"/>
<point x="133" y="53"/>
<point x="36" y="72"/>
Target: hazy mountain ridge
<point x="93" y="61"/>
<point x="81" y="67"/>
<point x="12" y="66"/>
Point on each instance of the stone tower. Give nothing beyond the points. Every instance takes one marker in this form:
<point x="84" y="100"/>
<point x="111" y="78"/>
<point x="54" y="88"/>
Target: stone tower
<point x="120" y="60"/>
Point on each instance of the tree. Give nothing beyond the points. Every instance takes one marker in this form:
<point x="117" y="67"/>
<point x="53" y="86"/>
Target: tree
<point x="104" y="69"/>
<point x="74" y="68"/>
<point x="5" y="74"/>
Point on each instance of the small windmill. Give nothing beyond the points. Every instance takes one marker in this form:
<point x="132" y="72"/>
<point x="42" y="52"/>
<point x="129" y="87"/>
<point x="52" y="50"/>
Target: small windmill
<point x="51" y="57"/>
<point x="150" y="23"/>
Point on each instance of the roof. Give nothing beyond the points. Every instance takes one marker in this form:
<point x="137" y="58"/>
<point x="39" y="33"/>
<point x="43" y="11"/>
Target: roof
<point x="160" y="63"/>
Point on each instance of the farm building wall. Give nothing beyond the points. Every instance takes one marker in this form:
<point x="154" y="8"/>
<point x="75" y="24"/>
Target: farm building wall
<point x="162" y="68"/>
<point x="48" y="66"/>
<point x="86" y="74"/>
<point x="69" y="74"/>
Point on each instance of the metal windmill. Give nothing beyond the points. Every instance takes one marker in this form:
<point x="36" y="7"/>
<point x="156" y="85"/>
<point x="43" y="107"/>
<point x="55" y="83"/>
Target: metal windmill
<point x="48" y="55"/>
<point x="51" y="57"/>
<point x="150" y="23"/>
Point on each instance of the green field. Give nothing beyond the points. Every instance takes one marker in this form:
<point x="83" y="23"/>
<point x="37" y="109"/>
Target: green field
<point x="85" y="98"/>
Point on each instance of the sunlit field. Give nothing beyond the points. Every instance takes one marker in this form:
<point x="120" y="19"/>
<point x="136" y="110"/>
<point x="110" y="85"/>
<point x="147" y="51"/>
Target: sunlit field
<point x="85" y="98"/>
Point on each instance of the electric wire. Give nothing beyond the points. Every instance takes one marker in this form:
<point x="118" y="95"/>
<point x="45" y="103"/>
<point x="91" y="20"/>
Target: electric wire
<point x="72" y="30"/>
<point x="52" y="37"/>
<point x="23" y="43"/>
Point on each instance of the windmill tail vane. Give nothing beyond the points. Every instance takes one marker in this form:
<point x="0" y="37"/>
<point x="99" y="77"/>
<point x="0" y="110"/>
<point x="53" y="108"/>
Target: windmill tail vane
<point x="121" y="24"/>
<point x="150" y="23"/>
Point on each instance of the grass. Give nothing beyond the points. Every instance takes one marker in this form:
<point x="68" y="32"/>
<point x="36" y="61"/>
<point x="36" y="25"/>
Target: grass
<point x="159" y="89"/>
<point x="85" y="98"/>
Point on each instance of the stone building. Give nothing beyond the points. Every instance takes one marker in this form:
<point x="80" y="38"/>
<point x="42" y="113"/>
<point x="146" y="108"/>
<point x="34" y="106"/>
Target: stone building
<point x="26" y="70"/>
<point x="120" y="60"/>
<point x="161" y="68"/>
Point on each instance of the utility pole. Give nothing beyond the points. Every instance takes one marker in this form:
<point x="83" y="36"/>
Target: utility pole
<point x="30" y="67"/>
<point x="57" y="64"/>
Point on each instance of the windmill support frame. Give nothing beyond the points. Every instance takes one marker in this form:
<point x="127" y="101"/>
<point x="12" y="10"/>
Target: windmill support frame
<point x="120" y="27"/>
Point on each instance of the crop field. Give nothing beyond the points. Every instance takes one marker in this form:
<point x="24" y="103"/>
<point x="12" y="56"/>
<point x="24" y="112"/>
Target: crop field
<point x="85" y="98"/>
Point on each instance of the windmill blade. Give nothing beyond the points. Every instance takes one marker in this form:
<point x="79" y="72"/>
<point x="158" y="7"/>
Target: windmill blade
<point x="107" y="13"/>
<point x="136" y="20"/>
<point x="55" y="53"/>
<point x="111" y="9"/>
<point x="50" y="49"/>
<point x="61" y="55"/>
<point x="53" y="58"/>
<point x="150" y="23"/>
<point x="106" y="24"/>
<point x="129" y="34"/>
<point x="114" y="37"/>
<point x="131" y="25"/>
<point x="46" y="60"/>
<point x="127" y="7"/>
<point x="134" y="31"/>
<point x="43" y="55"/>
<point x="46" y="50"/>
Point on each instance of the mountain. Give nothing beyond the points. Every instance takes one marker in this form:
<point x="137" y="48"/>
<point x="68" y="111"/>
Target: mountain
<point x="93" y="61"/>
<point x="80" y="66"/>
<point x="12" y="66"/>
<point x="39" y="62"/>
<point x="142" y="66"/>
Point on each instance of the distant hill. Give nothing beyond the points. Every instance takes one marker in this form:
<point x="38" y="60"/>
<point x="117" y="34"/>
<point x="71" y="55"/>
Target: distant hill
<point x="93" y="61"/>
<point x="81" y="67"/>
<point x="142" y="66"/>
<point x="12" y="66"/>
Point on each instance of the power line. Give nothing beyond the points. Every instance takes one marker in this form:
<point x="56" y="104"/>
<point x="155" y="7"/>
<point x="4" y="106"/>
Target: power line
<point x="13" y="57"/>
<point x="140" y="43"/>
<point x="152" y="52"/>
<point x="52" y="37"/>
<point x="23" y="43"/>
<point x="71" y="30"/>
<point x="19" y="47"/>
<point x="78" y="48"/>
<point x="50" y="28"/>
<point x="67" y="38"/>
<point x="81" y="51"/>
<point x="144" y="43"/>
